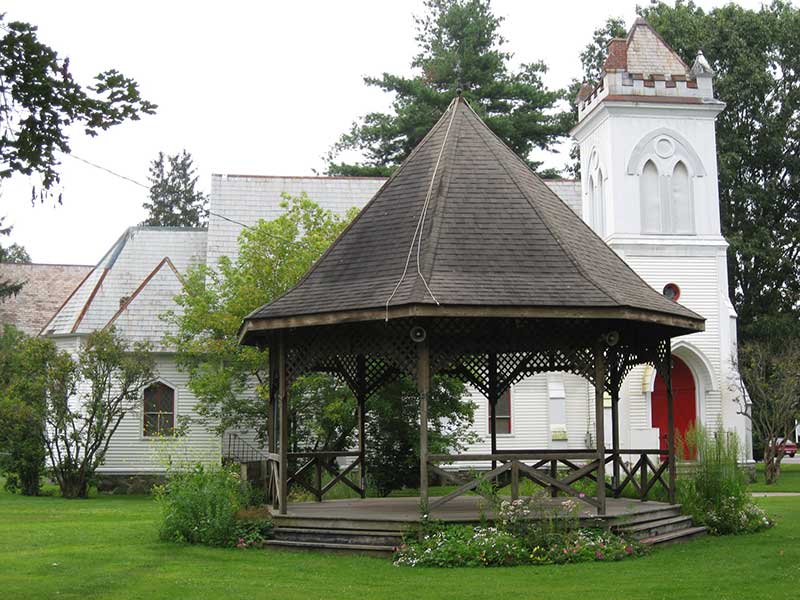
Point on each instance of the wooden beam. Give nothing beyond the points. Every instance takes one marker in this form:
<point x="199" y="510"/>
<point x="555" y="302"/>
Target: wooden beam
<point x="361" y="402"/>
<point x="599" y="420"/>
<point x="615" y="476"/>
<point x="423" y="389"/>
<point x="670" y="424"/>
<point x="283" y="402"/>
<point x="493" y="402"/>
<point x="471" y="485"/>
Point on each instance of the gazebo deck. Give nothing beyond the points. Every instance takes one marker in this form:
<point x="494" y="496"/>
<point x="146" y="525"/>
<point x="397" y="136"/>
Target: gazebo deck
<point x="393" y="512"/>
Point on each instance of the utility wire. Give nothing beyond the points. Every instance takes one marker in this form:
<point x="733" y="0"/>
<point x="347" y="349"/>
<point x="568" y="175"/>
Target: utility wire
<point x="210" y="212"/>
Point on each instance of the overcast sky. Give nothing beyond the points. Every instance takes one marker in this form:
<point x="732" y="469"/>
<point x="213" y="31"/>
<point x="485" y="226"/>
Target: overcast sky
<point x="260" y="88"/>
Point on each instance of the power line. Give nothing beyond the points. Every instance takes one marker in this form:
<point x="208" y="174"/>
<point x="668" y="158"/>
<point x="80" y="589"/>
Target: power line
<point x="210" y="212"/>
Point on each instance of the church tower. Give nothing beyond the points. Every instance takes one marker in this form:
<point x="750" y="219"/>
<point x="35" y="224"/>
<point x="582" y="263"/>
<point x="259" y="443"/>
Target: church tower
<point x="649" y="189"/>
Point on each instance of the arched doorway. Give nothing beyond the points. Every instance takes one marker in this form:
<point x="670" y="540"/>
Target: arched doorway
<point x="685" y="403"/>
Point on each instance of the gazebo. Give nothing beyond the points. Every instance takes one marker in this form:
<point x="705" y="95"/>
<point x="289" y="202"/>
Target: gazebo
<point x="465" y="263"/>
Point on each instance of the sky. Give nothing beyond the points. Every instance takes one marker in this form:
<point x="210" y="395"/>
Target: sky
<point x="257" y="88"/>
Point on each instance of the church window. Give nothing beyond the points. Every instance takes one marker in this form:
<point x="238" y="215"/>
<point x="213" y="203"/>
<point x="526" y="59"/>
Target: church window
<point x="651" y="201"/>
<point x="600" y="207"/>
<point x="159" y="410"/>
<point x="681" y="201"/>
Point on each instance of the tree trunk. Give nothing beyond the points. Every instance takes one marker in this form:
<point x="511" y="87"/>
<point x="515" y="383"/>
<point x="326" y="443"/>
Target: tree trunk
<point x="29" y="482"/>
<point x="772" y="465"/>
<point x="74" y="486"/>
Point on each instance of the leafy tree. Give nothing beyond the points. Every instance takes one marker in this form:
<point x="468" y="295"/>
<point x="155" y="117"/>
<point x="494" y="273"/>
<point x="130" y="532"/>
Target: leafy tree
<point x="174" y="202"/>
<point x="754" y="55"/>
<point x="24" y="365"/>
<point x="273" y="256"/>
<point x="460" y="47"/>
<point x="770" y="375"/>
<point x="392" y="453"/>
<point x="12" y="254"/>
<point x="86" y="400"/>
<point x="230" y="381"/>
<point x="41" y="101"/>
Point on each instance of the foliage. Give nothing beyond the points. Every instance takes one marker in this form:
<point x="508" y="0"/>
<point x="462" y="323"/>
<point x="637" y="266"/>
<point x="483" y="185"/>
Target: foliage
<point x="770" y="378"/>
<point x="229" y="379"/>
<point x="12" y="254"/>
<point x="24" y="364"/>
<point x="86" y="400"/>
<point x="42" y="101"/>
<point x="527" y="531"/>
<point x="174" y="202"/>
<point x="754" y="55"/>
<point x="460" y="47"/>
<point x="713" y="489"/>
<point x="392" y="452"/>
<point x="199" y="505"/>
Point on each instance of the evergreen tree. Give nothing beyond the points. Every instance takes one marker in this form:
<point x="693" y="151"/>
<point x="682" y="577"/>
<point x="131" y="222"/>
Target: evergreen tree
<point x="174" y="202"/>
<point x="460" y="47"/>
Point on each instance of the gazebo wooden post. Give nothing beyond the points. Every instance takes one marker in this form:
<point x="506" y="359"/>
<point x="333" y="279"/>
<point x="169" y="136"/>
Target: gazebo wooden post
<point x="493" y="403"/>
<point x="599" y="389"/>
<point x="361" y="400"/>
<point x="615" y="438"/>
<point x="423" y="388"/>
<point x="670" y="422"/>
<point x="283" y="401"/>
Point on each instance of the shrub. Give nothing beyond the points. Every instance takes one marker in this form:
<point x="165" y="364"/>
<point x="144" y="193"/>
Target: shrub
<point x="199" y="506"/>
<point x="526" y="532"/>
<point x="714" y="489"/>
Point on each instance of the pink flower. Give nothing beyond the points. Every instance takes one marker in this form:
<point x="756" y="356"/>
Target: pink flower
<point x="598" y="555"/>
<point x="629" y="549"/>
<point x="581" y="495"/>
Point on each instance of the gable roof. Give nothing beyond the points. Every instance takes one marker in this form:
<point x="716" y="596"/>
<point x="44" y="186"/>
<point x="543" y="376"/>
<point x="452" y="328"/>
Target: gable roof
<point x="464" y="222"/>
<point x="124" y="268"/>
<point x="46" y="288"/>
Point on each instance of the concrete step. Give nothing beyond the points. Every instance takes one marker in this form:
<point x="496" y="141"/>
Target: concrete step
<point x="367" y="549"/>
<point x="339" y="536"/>
<point x="649" y="529"/>
<point x="674" y="537"/>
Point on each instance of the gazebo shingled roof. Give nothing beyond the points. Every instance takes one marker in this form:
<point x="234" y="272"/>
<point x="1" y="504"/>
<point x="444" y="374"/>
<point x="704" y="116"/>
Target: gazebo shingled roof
<point x="495" y="241"/>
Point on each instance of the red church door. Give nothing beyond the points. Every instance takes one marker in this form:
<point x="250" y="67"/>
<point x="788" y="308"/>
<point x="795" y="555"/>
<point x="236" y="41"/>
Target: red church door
<point x="685" y="407"/>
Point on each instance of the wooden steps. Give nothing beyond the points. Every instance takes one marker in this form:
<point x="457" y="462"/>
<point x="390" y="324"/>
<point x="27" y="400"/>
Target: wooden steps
<point x="667" y="526"/>
<point x="346" y="548"/>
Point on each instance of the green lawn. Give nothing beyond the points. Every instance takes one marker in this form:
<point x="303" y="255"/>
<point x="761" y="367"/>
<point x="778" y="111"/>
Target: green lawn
<point x="789" y="480"/>
<point x="106" y="547"/>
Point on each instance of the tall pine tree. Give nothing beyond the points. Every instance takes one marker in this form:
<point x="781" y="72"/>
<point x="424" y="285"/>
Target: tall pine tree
<point x="174" y="202"/>
<point x="460" y="47"/>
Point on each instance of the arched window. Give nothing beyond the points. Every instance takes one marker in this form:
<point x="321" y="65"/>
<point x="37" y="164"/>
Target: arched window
<point x="159" y="410"/>
<point x="600" y="207"/>
<point x="650" y="199"/>
<point x="681" y="212"/>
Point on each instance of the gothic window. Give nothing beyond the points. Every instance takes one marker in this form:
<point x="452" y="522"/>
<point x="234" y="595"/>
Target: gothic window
<point x="651" y="201"/>
<point x="600" y="207"/>
<point x="159" y="410"/>
<point x="682" y="220"/>
<point x="666" y="203"/>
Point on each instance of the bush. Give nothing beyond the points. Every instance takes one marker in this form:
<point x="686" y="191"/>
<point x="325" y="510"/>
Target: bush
<point x="714" y="489"/>
<point x="552" y="536"/>
<point x="199" y="506"/>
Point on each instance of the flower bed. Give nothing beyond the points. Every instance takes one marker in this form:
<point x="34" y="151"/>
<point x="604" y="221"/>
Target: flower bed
<point x="526" y="532"/>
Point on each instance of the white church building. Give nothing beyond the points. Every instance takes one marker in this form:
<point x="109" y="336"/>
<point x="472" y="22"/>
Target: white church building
<point x="648" y="187"/>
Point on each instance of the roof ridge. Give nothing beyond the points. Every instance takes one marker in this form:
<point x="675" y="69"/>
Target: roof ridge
<point x="361" y="212"/>
<point x="142" y="285"/>
<point x="71" y="294"/>
<point x="544" y="218"/>
<point x="441" y="195"/>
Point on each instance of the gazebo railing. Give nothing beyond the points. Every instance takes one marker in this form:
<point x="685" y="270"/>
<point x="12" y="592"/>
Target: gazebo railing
<point x="313" y="464"/>
<point x="555" y="470"/>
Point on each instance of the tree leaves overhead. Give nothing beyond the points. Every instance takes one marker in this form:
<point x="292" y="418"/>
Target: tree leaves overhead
<point x="755" y="55"/>
<point x="174" y="202"/>
<point x="39" y="100"/>
<point x="460" y="47"/>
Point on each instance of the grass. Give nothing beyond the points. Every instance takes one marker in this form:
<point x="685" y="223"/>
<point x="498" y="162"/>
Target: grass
<point x="789" y="480"/>
<point x="107" y="547"/>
